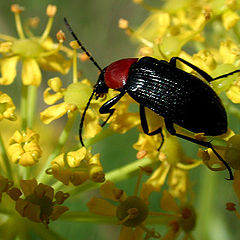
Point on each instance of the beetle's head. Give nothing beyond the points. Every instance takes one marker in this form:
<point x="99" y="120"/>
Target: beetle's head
<point x="101" y="88"/>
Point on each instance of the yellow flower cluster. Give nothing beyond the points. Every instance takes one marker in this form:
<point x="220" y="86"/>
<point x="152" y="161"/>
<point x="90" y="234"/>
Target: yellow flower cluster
<point x="77" y="167"/>
<point x="38" y="204"/>
<point x="24" y="148"/>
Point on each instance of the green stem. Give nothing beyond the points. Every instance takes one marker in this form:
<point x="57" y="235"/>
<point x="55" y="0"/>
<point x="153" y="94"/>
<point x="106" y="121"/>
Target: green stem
<point x="205" y="204"/>
<point x="87" y="217"/>
<point x="43" y="177"/>
<point x="31" y="105"/>
<point x="7" y="38"/>
<point x="47" y="29"/>
<point x="24" y="172"/>
<point x="75" y="72"/>
<point x="115" y="175"/>
<point x="57" y="185"/>
<point x="78" y="216"/>
<point x="5" y="159"/>
<point x="23" y="109"/>
<point x="19" y="25"/>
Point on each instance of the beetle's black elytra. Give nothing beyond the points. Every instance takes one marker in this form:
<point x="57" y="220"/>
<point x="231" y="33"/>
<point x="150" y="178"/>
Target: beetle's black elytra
<point x="179" y="97"/>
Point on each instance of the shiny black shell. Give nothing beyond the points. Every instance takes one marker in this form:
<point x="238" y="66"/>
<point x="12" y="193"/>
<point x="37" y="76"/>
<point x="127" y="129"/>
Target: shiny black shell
<point x="177" y="96"/>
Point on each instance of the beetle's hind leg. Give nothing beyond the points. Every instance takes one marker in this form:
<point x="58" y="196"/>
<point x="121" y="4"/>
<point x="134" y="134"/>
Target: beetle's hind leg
<point x="206" y="76"/>
<point x="226" y="75"/>
<point x="145" y="126"/>
<point x="171" y="129"/>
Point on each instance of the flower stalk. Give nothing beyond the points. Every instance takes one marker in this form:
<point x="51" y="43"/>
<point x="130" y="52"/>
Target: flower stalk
<point x="5" y="159"/>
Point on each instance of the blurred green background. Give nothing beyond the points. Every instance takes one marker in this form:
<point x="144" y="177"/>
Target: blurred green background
<point x="95" y="22"/>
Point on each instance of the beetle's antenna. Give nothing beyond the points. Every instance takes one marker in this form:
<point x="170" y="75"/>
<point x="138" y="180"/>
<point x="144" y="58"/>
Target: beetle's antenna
<point x="81" y="46"/>
<point x="99" y="68"/>
<point x="83" y="116"/>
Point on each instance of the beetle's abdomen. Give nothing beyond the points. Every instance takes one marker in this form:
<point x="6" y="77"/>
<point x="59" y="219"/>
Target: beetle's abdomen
<point x="177" y="96"/>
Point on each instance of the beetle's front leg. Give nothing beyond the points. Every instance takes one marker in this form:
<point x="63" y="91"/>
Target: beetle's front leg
<point x="106" y="107"/>
<point x="145" y="126"/>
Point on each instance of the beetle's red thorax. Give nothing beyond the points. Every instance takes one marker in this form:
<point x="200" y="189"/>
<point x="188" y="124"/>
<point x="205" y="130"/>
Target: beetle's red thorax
<point x="116" y="73"/>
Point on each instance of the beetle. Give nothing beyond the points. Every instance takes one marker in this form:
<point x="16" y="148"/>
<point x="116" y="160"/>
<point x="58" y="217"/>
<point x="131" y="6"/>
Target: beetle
<point x="178" y="96"/>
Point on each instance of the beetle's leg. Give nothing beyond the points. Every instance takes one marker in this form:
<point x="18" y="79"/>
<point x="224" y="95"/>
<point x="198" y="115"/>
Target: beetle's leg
<point x="145" y="126"/>
<point x="171" y="129"/>
<point x="207" y="77"/>
<point x="226" y="75"/>
<point x="106" y="107"/>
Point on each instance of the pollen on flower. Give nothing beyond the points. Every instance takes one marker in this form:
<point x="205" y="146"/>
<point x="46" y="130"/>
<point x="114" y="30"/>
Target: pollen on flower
<point x="5" y="47"/>
<point x="137" y="1"/>
<point x="141" y="154"/>
<point x="60" y="36"/>
<point x="15" y="8"/>
<point x="74" y="44"/>
<point x="33" y="22"/>
<point x="123" y="23"/>
<point x="51" y="10"/>
<point x="230" y="206"/>
<point x="83" y="57"/>
<point x="145" y="51"/>
<point x="207" y="12"/>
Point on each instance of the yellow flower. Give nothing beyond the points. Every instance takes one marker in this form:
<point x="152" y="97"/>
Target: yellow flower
<point x="39" y="204"/>
<point x="131" y="212"/>
<point x="55" y="85"/>
<point x="167" y="33"/>
<point x="77" y="167"/>
<point x="123" y="120"/>
<point x="34" y="52"/>
<point x="7" y="107"/>
<point x="58" y="110"/>
<point x="230" y="19"/>
<point x="173" y="164"/>
<point x="24" y="148"/>
<point x="186" y="217"/>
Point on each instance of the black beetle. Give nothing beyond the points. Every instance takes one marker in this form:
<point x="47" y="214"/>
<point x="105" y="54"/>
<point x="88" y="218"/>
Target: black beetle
<point x="179" y="97"/>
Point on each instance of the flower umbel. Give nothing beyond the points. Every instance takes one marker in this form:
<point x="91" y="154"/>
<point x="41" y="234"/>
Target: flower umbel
<point x="39" y="204"/>
<point x="131" y="212"/>
<point x="35" y="52"/>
